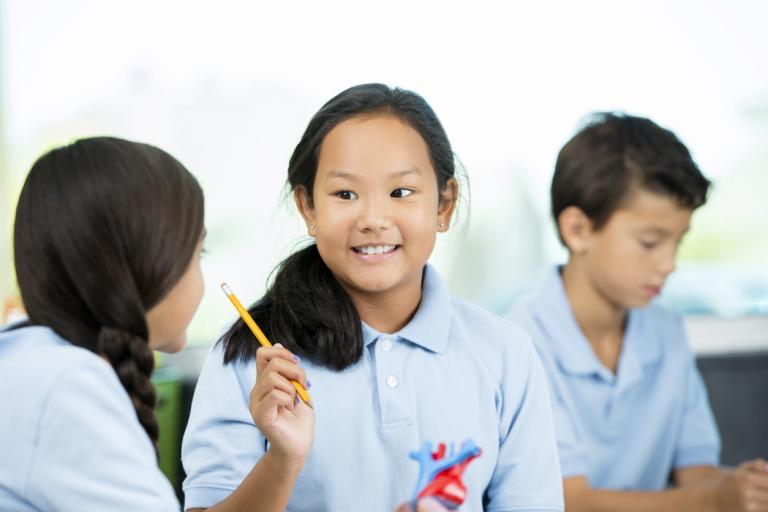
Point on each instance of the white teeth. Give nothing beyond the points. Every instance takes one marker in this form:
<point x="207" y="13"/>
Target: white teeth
<point x="377" y="249"/>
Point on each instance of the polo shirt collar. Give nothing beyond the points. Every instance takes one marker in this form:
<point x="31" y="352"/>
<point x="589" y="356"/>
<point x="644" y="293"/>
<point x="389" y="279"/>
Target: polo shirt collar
<point x="572" y="349"/>
<point x="430" y="326"/>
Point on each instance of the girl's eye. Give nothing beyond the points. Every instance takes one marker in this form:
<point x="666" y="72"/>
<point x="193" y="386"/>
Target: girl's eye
<point x="347" y="195"/>
<point x="401" y="192"/>
<point x="647" y="244"/>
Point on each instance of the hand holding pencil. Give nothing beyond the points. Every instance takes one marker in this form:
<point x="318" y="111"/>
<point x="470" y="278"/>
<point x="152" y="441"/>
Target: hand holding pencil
<point x="260" y="336"/>
<point x="279" y="402"/>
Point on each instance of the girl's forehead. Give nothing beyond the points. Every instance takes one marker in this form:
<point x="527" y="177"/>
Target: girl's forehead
<point x="373" y="147"/>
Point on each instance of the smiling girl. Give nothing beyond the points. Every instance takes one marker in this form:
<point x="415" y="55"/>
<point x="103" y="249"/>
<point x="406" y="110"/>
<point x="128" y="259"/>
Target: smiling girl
<point x="394" y="359"/>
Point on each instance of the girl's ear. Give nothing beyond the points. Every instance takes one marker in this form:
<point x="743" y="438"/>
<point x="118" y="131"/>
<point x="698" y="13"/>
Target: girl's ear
<point x="449" y="196"/>
<point x="575" y="228"/>
<point x="304" y="205"/>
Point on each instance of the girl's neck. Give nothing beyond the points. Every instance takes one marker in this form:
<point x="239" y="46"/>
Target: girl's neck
<point x="388" y="311"/>
<point x="601" y="321"/>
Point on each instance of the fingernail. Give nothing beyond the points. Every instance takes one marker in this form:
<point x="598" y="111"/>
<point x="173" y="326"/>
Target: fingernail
<point x="309" y="384"/>
<point x="296" y="358"/>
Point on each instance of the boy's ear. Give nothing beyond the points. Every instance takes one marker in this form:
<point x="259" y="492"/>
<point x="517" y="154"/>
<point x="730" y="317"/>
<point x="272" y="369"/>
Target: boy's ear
<point x="449" y="197"/>
<point x="304" y="205"/>
<point x="575" y="228"/>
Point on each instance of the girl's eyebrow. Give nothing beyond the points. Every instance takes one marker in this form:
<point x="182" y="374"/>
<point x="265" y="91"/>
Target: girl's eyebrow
<point x="341" y="175"/>
<point x="350" y="176"/>
<point x="414" y="170"/>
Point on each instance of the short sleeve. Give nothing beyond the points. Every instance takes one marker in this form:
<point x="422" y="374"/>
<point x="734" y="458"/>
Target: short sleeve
<point x="90" y="451"/>
<point x="699" y="441"/>
<point x="527" y="475"/>
<point x="221" y="443"/>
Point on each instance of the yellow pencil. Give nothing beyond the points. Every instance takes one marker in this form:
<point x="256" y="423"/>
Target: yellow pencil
<point x="249" y="321"/>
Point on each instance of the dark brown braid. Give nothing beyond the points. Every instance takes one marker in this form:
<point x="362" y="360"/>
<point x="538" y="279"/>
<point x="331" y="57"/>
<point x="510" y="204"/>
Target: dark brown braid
<point x="104" y="229"/>
<point x="133" y="362"/>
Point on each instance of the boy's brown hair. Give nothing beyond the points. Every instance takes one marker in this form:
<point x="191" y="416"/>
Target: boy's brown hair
<point x="616" y="153"/>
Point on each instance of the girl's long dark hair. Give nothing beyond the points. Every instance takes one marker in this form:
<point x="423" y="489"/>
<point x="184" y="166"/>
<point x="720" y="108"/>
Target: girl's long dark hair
<point x="104" y="229"/>
<point x="305" y="308"/>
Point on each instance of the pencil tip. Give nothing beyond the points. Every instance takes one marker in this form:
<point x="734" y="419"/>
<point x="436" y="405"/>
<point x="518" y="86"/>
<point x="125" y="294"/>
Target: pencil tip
<point x="226" y="288"/>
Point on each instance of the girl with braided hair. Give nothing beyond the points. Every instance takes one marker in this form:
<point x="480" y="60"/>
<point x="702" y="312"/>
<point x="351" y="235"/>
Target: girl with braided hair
<point x="107" y="240"/>
<point x="108" y="237"/>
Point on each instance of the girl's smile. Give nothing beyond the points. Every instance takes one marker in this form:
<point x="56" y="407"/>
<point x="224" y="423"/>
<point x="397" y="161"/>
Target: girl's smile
<point x="375" y="209"/>
<point x="374" y="253"/>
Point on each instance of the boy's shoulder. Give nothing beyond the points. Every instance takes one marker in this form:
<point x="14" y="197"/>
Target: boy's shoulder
<point x="660" y="328"/>
<point x="522" y="312"/>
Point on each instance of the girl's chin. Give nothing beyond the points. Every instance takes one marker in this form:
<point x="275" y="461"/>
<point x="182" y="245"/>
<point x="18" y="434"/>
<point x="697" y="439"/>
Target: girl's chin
<point x="172" y="346"/>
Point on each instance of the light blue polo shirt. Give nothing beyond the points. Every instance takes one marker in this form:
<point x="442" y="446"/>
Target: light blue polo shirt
<point x="454" y="372"/>
<point x="69" y="436"/>
<point x="629" y="430"/>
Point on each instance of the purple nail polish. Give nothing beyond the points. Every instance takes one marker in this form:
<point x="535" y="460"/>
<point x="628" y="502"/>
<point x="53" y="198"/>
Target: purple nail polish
<point x="309" y="384"/>
<point x="296" y="358"/>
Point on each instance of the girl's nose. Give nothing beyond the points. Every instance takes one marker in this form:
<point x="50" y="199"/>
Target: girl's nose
<point x="375" y="215"/>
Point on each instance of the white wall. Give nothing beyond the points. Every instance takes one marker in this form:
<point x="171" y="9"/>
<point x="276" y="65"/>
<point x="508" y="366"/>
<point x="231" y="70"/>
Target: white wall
<point x="228" y="87"/>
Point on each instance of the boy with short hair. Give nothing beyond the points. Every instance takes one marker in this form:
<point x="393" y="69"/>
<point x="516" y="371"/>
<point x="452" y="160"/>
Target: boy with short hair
<point x="631" y="410"/>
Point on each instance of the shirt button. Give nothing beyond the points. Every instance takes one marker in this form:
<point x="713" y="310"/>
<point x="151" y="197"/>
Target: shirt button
<point x="392" y="381"/>
<point x="386" y="344"/>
